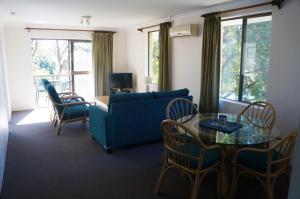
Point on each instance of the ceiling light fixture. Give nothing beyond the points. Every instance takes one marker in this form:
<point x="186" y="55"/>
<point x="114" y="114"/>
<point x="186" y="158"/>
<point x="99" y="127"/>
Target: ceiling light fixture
<point x="85" y="20"/>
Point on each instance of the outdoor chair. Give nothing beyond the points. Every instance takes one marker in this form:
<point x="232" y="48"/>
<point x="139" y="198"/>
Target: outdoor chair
<point x="68" y="108"/>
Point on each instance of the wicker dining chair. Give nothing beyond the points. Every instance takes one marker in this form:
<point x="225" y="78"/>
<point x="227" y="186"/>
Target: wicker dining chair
<point x="180" y="107"/>
<point x="264" y="164"/>
<point x="186" y="152"/>
<point x="260" y="114"/>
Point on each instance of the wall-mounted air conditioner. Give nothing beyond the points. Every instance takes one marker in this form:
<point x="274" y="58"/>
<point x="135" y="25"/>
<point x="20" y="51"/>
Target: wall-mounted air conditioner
<point x="186" y="30"/>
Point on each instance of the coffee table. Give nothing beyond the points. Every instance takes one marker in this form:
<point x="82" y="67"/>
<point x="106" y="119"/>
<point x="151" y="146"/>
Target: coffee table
<point x="102" y="101"/>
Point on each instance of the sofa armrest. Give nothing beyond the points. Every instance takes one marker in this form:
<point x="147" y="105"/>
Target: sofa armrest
<point x="98" y="125"/>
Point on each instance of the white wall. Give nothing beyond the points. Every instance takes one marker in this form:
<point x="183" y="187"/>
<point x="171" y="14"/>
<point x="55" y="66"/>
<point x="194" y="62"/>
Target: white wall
<point x="119" y="52"/>
<point x="294" y="192"/>
<point x="20" y="81"/>
<point x="186" y="58"/>
<point x="3" y="109"/>
<point x="18" y="54"/>
<point x="283" y="85"/>
<point x="136" y="58"/>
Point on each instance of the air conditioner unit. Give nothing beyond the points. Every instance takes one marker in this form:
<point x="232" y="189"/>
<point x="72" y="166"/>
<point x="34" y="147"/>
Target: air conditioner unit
<point x="186" y="30"/>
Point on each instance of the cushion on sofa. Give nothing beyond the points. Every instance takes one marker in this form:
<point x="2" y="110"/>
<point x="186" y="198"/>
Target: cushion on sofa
<point x="125" y="97"/>
<point x="168" y="94"/>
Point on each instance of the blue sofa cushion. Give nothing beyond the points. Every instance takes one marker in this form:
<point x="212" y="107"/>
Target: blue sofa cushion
<point x="76" y="111"/>
<point x="126" y="97"/>
<point x="256" y="161"/>
<point x="172" y="94"/>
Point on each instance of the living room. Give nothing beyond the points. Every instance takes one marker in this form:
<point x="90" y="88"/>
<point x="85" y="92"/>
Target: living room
<point x="26" y="129"/>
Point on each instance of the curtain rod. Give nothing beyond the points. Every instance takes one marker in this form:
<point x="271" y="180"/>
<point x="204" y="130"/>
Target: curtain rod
<point x="274" y="3"/>
<point x="57" y="29"/>
<point x="141" y="29"/>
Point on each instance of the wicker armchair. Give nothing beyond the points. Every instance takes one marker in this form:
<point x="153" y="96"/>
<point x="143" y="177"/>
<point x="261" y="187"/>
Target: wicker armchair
<point x="64" y="97"/>
<point x="181" y="110"/>
<point x="186" y="152"/>
<point x="68" y="108"/>
<point x="265" y="164"/>
<point x="260" y="114"/>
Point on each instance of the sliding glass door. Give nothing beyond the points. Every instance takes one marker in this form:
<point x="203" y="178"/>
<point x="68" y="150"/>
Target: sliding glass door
<point x="67" y="64"/>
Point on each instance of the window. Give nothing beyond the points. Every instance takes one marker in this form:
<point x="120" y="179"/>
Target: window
<point x="65" y="63"/>
<point x="81" y="69"/>
<point x="153" y="55"/>
<point x="245" y="51"/>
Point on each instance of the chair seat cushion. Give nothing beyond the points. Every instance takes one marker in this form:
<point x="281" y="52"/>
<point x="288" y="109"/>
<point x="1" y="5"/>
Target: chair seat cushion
<point x="256" y="161"/>
<point x="77" y="111"/>
<point x="211" y="157"/>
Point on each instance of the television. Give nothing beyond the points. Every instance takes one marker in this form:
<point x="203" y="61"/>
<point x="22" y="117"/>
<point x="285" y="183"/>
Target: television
<point x="120" y="81"/>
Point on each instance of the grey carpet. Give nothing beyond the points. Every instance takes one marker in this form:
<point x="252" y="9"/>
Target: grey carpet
<point x="42" y="165"/>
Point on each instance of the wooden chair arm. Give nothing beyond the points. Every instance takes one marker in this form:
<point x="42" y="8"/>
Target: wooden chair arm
<point x="67" y="93"/>
<point x="250" y="150"/>
<point x="280" y="160"/>
<point x="76" y="103"/>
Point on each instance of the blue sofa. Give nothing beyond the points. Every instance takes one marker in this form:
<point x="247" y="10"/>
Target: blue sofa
<point x="131" y="118"/>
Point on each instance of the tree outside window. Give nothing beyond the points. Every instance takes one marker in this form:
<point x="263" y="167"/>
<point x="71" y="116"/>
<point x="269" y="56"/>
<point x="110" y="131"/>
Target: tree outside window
<point x="245" y="56"/>
<point x="153" y="56"/>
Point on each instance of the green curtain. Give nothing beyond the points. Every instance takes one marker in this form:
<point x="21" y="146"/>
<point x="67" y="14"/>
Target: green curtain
<point x="210" y="71"/>
<point x="164" y="52"/>
<point x="102" y="61"/>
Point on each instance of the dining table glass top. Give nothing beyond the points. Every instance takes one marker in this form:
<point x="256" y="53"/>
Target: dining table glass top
<point x="248" y="134"/>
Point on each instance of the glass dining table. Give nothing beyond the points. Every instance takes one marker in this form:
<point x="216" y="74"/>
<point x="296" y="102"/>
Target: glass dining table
<point x="248" y="135"/>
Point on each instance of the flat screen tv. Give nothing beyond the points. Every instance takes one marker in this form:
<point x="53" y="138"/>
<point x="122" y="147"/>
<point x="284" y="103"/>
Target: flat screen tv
<point x="120" y="81"/>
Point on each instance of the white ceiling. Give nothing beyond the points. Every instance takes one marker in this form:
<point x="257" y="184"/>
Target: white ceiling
<point x="112" y="14"/>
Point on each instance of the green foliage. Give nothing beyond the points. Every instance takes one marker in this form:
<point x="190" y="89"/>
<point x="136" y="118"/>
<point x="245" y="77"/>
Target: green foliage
<point x="50" y="56"/>
<point x="255" y="61"/>
<point x="44" y="64"/>
<point x="231" y="53"/>
<point x="155" y="61"/>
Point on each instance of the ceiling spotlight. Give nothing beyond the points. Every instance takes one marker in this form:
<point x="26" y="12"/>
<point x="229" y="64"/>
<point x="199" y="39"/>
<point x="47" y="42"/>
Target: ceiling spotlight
<point x="85" y="20"/>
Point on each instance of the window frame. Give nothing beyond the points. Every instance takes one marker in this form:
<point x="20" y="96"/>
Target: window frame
<point x="148" y="53"/>
<point x="73" y="72"/>
<point x="244" y="35"/>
